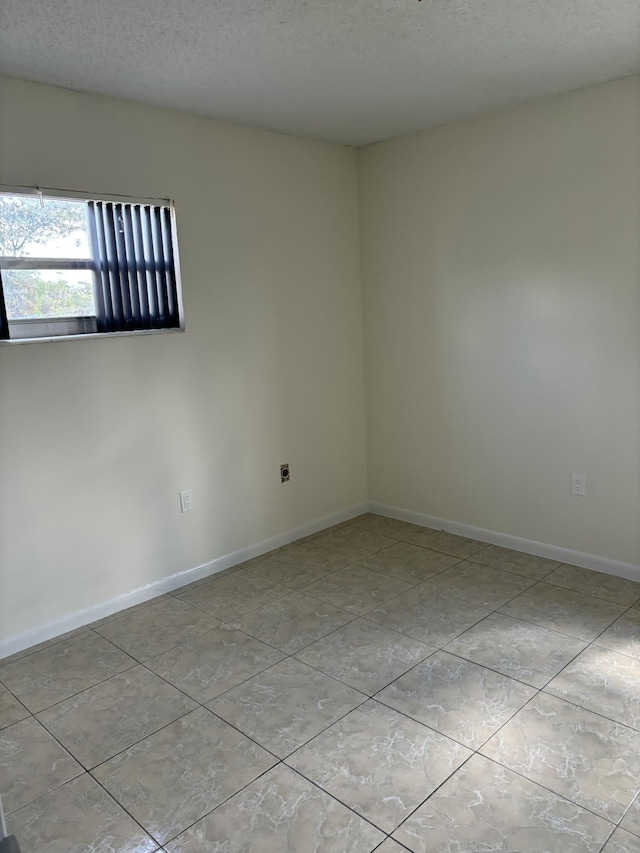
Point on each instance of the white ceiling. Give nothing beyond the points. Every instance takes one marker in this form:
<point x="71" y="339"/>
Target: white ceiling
<point x="349" y="71"/>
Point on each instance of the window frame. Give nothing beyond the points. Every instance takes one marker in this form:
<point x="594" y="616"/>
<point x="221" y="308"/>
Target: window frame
<point x="77" y="328"/>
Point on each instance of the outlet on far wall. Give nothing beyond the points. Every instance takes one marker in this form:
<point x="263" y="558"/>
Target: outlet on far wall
<point x="578" y="484"/>
<point x="186" y="501"/>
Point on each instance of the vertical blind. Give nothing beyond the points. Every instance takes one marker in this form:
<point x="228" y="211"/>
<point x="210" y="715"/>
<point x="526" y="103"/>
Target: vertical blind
<point x="132" y="248"/>
<point x="4" y="325"/>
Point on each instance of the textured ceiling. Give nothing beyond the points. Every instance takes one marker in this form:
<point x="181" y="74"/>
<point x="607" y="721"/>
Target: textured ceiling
<point x="350" y="71"/>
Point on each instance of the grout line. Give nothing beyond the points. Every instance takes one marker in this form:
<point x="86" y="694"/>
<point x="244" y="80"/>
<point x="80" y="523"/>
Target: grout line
<point x="342" y="803"/>
<point x="124" y="809"/>
<point x="47" y="644"/>
<point x="546" y="788"/>
<point x="367" y="697"/>
<point x="226" y="800"/>
<point x="55" y="787"/>
<point x="133" y="664"/>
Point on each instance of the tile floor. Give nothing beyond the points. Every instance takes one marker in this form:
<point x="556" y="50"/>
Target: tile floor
<point x="378" y="686"/>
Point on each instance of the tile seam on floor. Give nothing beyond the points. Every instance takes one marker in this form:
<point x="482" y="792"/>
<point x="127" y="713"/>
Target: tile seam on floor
<point x="590" y="710"/>
<point x="592" y="594"/>
<point x="357" y="615"/>
<point x="204" y="703"/>
<point x="160" y="728"/>
<point x="538" y="690"/>
<point x="232" y="569"/>
<point x="124" y="809"/>
<point x="332" y="796"/>
<point x="291" y="654"/>
<point x="573" y="659"/>
<point x="365" y="698"/>
<point x="240" y="615"/>
<point x="592" y="642"/>
<point x="83" y="770"/>
<point x="278" y="761"/>
<point x="540" y="784"/>
<point x="84" y="689"/>
<point x="354" y="618"/>
<point x="46" y="644"/>
<point x="417" y="583"/>
<point x="573" y="636"/>
<point x="546" y="788"/>
<point x="346" y="683"/>
<point x="451" y="737"/>
<point x="169" y="840"/>
<point x="513" y="571"/>
<point x="476" y="752"/>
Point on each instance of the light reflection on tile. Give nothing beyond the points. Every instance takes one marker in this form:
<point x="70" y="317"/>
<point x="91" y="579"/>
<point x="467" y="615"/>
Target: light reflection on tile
<point x="485" y="807"/>
<point x="604" y="682"/>
<point x="571" y="613"/>
<point x="456" y="697"/>
<point x="379" y="762"/>
<point x="624" y="635"/>
<point x="516" y="648"/>
<point x="577" y="754"/>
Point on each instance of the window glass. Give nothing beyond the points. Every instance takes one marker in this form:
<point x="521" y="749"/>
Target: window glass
<point x="51" y="228"/>
<point x="38" y="294"/>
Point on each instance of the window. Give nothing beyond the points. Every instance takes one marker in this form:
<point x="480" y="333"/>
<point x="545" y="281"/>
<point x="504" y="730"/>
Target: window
<point x="86" y="266"/>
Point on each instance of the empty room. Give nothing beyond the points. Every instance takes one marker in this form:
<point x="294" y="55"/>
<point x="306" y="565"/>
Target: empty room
<point x="320" y="426"/>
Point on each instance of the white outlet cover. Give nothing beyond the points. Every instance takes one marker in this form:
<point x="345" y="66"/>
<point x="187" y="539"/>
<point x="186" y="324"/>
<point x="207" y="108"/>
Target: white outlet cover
<point x="578" y="484"/>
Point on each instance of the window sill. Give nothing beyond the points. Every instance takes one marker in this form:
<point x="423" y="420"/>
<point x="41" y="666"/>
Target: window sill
<point x="85" y="336"/>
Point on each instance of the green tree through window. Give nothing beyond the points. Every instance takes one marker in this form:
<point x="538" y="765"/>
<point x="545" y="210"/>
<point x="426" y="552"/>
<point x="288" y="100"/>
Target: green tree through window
<point x="50" y="229"/>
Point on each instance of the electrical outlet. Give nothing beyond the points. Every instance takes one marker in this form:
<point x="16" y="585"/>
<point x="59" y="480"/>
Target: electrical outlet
<point x="186" y="501"/>
<point x="285" y="473"/>
<point x="578" y="484"/>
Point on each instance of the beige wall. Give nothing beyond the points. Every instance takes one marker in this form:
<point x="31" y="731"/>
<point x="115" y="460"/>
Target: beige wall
<point x="501" y="278"/>
<point x="501" y="269"/>
<point x="98" y="436"/>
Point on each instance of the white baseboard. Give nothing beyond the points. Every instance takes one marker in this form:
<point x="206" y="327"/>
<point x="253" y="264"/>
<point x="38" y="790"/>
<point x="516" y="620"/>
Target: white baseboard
<point x="79" y="618"/>
<point x="516" y="543"/>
